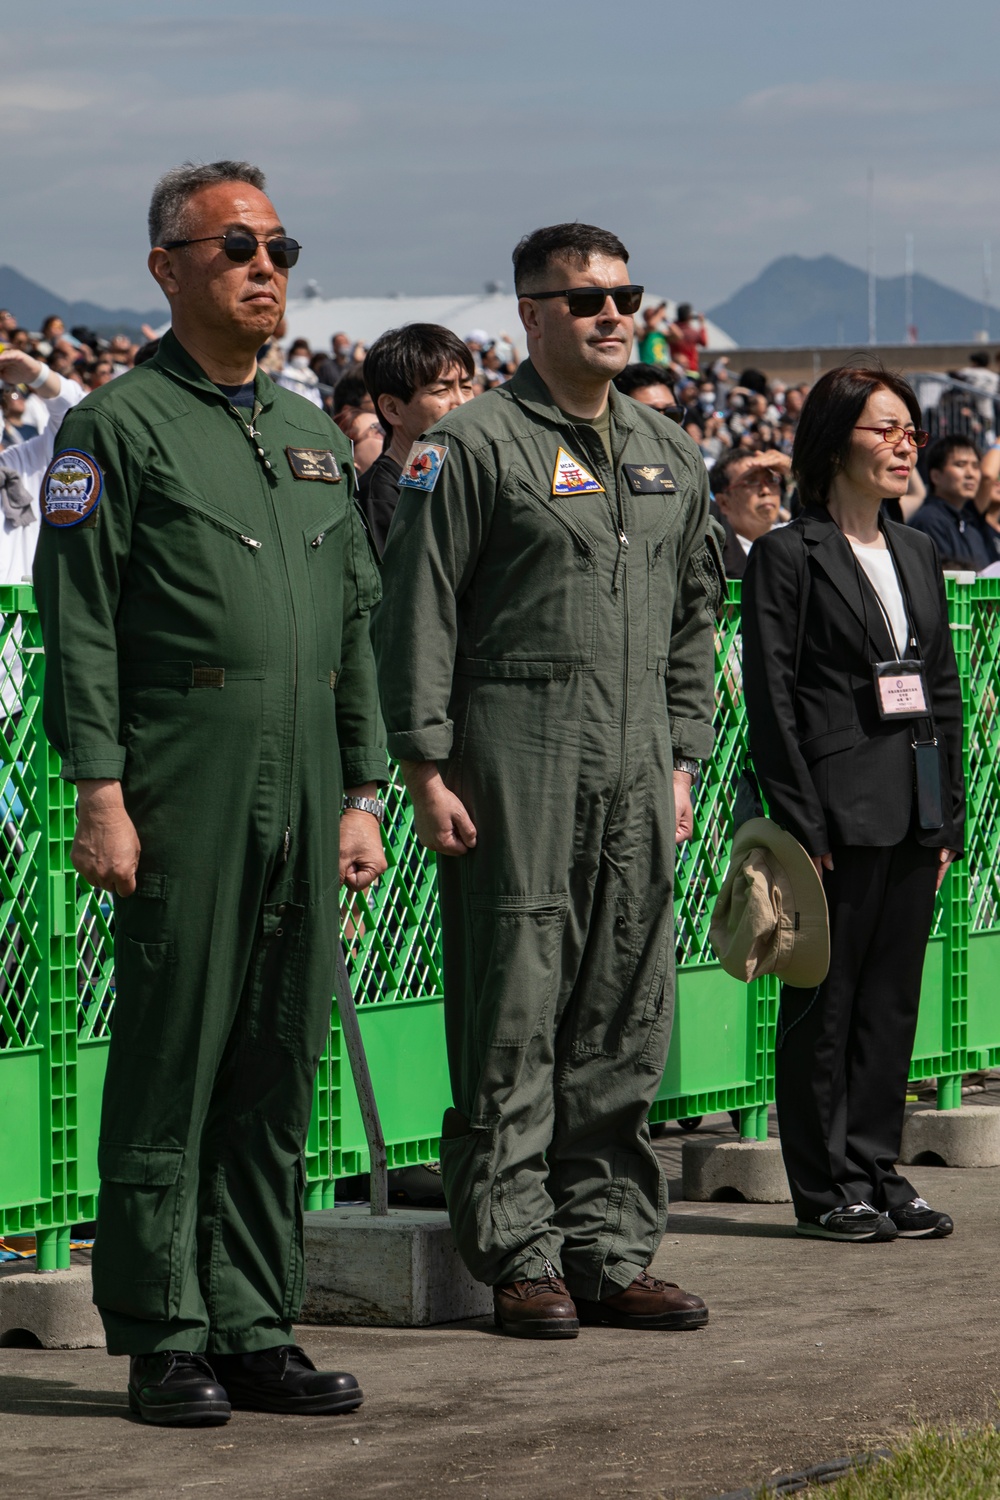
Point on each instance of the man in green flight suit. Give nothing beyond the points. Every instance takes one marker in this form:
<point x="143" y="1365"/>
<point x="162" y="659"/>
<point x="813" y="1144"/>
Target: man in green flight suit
<point x="204" y="586"/>
<point x="545" y="651"/>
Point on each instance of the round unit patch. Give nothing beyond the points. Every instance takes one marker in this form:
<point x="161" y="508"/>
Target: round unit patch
<point x="71" y="489"/>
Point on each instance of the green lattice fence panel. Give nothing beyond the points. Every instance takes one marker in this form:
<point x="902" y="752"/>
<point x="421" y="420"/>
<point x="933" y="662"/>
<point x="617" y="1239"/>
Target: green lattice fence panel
<point x="723" y="1033"/>
<point x="25" y="1177"/>
<point x="57" y="980"/>
<point x="982" y="1040"/>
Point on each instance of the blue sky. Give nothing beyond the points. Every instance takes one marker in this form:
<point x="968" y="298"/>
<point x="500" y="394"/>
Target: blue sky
<point x="409" y="145"/>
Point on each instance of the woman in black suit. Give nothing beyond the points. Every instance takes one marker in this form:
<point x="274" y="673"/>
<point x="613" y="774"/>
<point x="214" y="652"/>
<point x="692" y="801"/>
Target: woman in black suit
<point x="859" y="753"/>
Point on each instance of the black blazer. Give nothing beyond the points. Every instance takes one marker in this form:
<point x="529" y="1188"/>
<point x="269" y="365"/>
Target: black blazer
<point x="734" y="559"/>
<point x="832" y="771"/>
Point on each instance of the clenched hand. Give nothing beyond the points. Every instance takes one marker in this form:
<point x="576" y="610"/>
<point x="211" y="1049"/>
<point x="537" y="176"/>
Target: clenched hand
<point x="106" y="847"/>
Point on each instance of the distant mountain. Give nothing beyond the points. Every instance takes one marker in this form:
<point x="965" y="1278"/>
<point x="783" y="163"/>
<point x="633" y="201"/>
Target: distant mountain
<point x="31" y="303"/>
<point x="797" y="301"/>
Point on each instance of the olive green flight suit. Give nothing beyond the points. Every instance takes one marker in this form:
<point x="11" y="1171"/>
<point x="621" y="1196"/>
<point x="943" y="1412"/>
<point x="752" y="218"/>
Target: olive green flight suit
<point x="552" y="652"/>
<point x="206" y="641"/>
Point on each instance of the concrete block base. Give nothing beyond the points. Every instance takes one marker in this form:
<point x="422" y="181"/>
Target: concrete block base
<point x="398" y="1271"/>
<point x="740" y="1171"/>
<point x="966" y="1137"/>
<point x="53" y="1307"/>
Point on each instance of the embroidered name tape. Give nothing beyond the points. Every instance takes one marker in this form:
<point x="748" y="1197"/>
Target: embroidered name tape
<point x="71" y="489"/>
<point x="571" y="478"/>
<point x="650" y="479"/>
<point x="423" y="466"/>
<point x="313" y="463"/>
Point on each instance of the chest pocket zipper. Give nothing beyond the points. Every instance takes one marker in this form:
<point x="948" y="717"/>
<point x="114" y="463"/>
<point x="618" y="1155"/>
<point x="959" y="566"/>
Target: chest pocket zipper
<point x="326" y="582"/>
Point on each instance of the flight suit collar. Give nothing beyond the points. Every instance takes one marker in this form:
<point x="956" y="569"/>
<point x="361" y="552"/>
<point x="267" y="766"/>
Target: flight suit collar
<point x="530" y="391"/>
<point x="174" y="360"/>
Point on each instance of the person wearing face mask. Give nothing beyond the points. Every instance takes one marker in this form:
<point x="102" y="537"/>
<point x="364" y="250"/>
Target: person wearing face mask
<point x="298" y="376"/>
<point x="855" y="723"/>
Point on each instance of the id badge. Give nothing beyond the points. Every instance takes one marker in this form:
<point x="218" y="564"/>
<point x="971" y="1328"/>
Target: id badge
<point x="901" y="690"/>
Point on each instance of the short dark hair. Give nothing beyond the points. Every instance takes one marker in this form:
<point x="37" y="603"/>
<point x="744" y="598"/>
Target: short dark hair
<point x="168" y="205"/>
<point x="635" y="377"/>
<point x="829" y="415"/>
<point x="980" y="359"/>
<point x="577" y="242"/>
<point x="720" y="475"/>
<point x="939" y="453"/>
<point x="403" y="359"/>
<point x="349" y="391"/>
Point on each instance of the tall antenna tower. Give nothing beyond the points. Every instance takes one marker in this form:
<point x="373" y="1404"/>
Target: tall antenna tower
<point x="987" y="285"/>
<point x="872" y="321"/>
<point x="909" y="330"/>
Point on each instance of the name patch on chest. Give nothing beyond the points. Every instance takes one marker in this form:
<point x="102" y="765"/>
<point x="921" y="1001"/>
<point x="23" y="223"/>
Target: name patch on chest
<point x="571" y="478"/>
<point x="650" y="479"/>
<point x="423" y="466"/>
<point x="72" y="488"/>
<point x="314" y="463"/>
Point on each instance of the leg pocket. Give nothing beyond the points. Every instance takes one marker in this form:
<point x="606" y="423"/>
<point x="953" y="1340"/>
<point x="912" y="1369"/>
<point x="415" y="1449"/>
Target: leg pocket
<point x="516" y="944"/>
<point x="143" y="980"/>
<point x="138" y="1225"/>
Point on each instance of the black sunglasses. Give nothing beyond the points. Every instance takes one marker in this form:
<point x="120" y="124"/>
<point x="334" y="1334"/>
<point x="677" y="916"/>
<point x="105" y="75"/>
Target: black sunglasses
<point x="241" y="246"/>
<point x="674" y="413"/>
<point x="588" y="301"/>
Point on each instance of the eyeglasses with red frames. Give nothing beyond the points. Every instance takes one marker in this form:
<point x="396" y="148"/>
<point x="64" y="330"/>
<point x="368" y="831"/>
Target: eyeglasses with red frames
<point x="893" y="434"/>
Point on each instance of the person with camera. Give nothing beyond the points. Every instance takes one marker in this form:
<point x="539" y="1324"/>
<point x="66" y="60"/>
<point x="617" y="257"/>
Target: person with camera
<point x="855" y="722"/>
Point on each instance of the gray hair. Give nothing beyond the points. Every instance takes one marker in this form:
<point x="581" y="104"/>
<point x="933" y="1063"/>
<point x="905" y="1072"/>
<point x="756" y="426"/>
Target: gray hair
<point x="171" y="193"/>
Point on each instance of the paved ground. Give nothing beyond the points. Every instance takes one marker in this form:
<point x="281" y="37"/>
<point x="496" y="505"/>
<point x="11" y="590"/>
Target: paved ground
<point x="814" y="1350"/>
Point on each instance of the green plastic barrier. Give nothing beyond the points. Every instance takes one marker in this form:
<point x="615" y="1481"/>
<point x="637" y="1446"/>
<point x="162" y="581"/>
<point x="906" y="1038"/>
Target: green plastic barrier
<point x="57" y="976"/>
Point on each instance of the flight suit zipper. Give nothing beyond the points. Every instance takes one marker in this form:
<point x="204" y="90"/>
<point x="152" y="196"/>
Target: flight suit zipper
<point x="256" y="439"/>
<point x="619" y="584"/>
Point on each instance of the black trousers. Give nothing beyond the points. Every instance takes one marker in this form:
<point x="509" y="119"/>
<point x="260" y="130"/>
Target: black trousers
<point x="843" y="1050"/>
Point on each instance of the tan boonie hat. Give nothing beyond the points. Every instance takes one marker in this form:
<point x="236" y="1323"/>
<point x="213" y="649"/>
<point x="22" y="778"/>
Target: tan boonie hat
<point x="771" y="916"/>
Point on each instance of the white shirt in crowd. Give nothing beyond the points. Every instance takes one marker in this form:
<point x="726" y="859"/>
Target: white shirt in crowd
<point x="297" y="377"/>
<point x="881" y="570"/>
<point x="30" y="460"/>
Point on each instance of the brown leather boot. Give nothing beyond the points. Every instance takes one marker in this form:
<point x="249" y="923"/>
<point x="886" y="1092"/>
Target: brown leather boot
<point x="540" y="1308"/>
<point x="647" y="1303"/>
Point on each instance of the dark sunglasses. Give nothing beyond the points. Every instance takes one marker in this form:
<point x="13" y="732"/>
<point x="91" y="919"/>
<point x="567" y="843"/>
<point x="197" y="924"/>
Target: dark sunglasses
<point x="675" y="413"/>
<point x="588" y="301"/>
<point x="241" y="246"/>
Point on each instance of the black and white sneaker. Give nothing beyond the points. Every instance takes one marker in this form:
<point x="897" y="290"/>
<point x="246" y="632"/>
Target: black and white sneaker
<point x="854" y="1221"/>
<point x="916" y="1220"/>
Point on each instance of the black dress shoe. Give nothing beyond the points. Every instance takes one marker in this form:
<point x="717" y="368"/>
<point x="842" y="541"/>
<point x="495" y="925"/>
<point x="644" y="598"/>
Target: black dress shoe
<point x="176" y="1389"/>
<point x="284" y="1379"/>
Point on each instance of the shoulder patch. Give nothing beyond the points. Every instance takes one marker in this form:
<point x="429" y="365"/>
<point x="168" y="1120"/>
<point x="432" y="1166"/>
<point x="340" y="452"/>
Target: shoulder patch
<point x="72" y="488"/>
<point x="571" y="478"/>
<point x="423" y="466"/>
<point x="649" y="479"/>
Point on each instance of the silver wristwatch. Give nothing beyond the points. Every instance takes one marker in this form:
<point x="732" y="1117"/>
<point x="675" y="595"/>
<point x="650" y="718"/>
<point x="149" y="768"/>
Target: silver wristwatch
<point x="692" y="767"/>
<point x="373" y="805"/>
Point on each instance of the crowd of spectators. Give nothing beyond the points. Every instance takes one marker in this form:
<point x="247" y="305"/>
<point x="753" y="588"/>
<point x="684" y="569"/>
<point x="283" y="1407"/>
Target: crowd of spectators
<point x="744" y="423"/>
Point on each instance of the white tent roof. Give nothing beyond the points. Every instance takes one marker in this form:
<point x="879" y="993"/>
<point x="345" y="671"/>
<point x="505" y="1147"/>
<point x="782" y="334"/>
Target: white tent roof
<point x="319" y="318"/>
